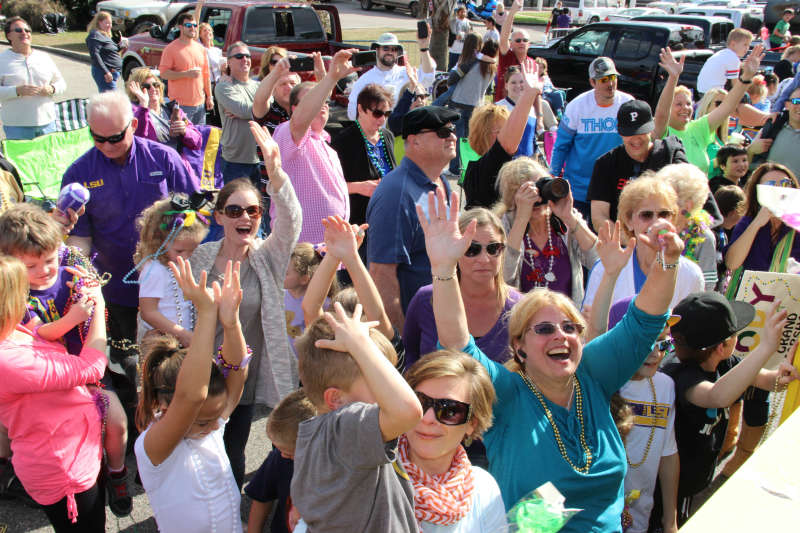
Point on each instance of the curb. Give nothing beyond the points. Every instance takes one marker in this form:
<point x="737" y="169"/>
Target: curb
<point x="77" y="56"/>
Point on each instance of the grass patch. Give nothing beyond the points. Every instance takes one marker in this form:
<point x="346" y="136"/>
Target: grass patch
<point x="532" y="17"/>
<point x="69" y="40"/>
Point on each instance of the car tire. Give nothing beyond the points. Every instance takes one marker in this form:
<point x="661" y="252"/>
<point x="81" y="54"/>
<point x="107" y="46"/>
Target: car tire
<point x="143" y="27"/>
<point x="128" y="66"/>
<point x="413" y="9"/>
<point x="366" y="5"/>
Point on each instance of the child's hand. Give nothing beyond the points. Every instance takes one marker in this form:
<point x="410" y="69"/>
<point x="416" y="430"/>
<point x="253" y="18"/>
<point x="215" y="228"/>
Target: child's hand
<point x="91" y="287"/>
<point x="351" y="333"/>
<point x="200" y="295"/>
<point x="612" y="255"/>
<point x="81" y="310"/>
<point x="342" y="238"/>
<point x="230" y="296"/>
<point x="773" y="326"/>
<point x="787" y="372"/>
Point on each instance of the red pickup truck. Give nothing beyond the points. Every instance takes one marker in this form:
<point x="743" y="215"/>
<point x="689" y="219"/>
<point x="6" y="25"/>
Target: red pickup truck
<point x="298" y="27"/>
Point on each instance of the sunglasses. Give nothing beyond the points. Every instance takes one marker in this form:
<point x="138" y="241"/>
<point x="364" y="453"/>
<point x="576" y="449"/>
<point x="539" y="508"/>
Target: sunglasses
<point x="240" y="56"/>
<point x="189" y="24"/>
<point x="274" y="60"/>
<point x="779" y="183"/>
<point x="493" y="249"/>
<point x="21" y="30"/>
<point x="148" y="86"/>
<point x="794" y="101"/>
<point x="377" y="113"/>
<point x="113" y="139"/>
<point x="422" y="96"/>
<point x="663" y="346"/>
<point x="548" y="328"/>
<point x="448" y="412"/>
<point x="607" y="79"/>
<point x="650" y="215"/>
<point x="444" y="132"/>
<point x="236" y="211"/>
<point x="521" y="40"/>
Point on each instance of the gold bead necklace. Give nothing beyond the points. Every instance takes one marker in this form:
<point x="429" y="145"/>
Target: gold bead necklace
<point x="652" y="433"/>
<point x="579" y="408"/>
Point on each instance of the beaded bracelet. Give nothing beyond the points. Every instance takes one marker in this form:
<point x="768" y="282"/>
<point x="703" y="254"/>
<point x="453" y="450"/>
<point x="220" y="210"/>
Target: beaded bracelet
<point x="226" y="367"/>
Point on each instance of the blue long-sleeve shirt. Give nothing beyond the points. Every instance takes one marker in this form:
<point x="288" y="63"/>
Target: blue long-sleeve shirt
<point x="786" y="93"/>
<point x="586" y="132"/>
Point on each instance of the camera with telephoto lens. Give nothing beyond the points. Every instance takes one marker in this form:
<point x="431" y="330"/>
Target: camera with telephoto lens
<point x="551" y="189"/>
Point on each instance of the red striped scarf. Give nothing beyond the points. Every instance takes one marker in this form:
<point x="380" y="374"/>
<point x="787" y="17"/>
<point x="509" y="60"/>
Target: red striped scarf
<point x="442" y="499"/>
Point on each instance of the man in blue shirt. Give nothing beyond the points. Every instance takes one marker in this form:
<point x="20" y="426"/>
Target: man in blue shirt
<point x="396" y="252"/>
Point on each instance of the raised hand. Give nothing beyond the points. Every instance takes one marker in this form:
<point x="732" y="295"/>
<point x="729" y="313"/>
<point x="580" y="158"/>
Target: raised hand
<point x="279" y="70"/>
<point x="773" y="327"/>
<point x="199" y="294"/>
<point x="662" y="237"/>
<point x="753" y="61"/>
<point x="613" y="256"/>
<point x="669" y="64"/>
<point x="350" y="332"/>
<point x="563" y="209"/>
<point x="443" y="240"/>
<point x="530" y="73"/>
<point x="516" y="7"/>
<point x="230" y="296"/>
<point x="319" y="66"/>
<point x="341" y="237"/>
<point x="269" y="148"/>
<point x="340" y="65"/>
<point x="526" y="196"/>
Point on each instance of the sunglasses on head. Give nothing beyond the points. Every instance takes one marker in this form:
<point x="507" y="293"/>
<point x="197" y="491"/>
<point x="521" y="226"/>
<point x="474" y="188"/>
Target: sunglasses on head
<point x="650" y="215"/>
<point x="113" y="139"/>
<point x="448" y="412"/>
<point x="377" y="113"/>
<point x="664" y="345"/>
<point x="493" y="248"/>
<point x="794" y="101"/>
<point x="606" y="79"/>
<point x="189" y="24"/>
<point x="548" y="328"/>
<point x="21" y="30"/>
<point x="443" y="132"/>
<point x="240" y="56"/>
<point x="236" y="211"/>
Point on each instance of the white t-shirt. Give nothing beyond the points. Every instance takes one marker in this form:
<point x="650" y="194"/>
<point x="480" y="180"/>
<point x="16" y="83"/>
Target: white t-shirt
<point x="193" y="489"/>
<point x="487" y="515"/>
<point x="648" y="414"/>
<point x="491" y="35"/>
<point x="722" y="66"/>
<point x="393" y="79"/>
<point x="156" y="281"/>
<point x="214" y="62"/>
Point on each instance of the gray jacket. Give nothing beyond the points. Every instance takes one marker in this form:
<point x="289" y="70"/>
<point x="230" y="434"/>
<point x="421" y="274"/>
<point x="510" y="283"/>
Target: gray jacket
<point x="512" y="259"/>
<point x="269" y="258"/>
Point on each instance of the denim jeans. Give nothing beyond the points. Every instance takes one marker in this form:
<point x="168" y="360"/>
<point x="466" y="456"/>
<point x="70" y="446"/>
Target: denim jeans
<point x="28" y="132"/>
<point x="99" y="78"/>
<point x="195" y="113"/>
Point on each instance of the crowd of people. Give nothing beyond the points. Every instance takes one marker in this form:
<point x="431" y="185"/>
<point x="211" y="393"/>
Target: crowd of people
<point x="428" y="358"/>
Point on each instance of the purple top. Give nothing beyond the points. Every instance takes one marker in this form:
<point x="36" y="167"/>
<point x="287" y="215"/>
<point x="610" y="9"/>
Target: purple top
<point x="536" y="265"/>
<point x="119" y="195"/>
<point x="760" y="255"/>
<point x="49" y="304"/>
<point x="145" y="128"/>
<point x="420" y="335"/>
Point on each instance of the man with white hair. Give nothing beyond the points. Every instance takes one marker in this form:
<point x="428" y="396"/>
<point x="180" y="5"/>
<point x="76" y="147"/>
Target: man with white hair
<point x="513" y="49"/>
<point x="124" y="174"/>
<point x="389" y="74"/>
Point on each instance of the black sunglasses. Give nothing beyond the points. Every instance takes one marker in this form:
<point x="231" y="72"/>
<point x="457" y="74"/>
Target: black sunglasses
<point x="377" y="113"/>
<point x="274" y="60"/>
<point x="548" y="328"/>
<point x="421" y="96"/>
<point x="448" y="412"/>
<point x="443" y="132"/>
<point x="148" y="86"/>
<point x="649" y="215"/>
<point x="240" y="56"/>
<point x="113" y="139"/>
<point x="521" y="40"/>
<point x="236" y="211"/>
<point x="493" y="248"/>
<point x="21" y="30"/>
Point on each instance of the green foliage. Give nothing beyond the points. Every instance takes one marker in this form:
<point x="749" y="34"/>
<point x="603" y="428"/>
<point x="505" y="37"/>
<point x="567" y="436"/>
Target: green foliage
<point x="31" y="10"/>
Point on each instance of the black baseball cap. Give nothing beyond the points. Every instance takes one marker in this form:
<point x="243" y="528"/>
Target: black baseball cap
<point x="708" y="318"/>
<point x="635" y="118"/>
<point x="429" y="117"/>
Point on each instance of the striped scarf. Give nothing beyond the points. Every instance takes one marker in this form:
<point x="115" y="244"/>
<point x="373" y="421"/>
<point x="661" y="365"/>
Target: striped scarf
<point x="441" y="499"/>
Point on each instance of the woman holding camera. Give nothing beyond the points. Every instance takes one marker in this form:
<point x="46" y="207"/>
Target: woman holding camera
<point x="548" y="240"/>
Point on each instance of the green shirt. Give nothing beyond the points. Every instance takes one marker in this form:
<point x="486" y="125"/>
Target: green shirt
<point x="695" y="138"/>
<point x="781" y="27"/>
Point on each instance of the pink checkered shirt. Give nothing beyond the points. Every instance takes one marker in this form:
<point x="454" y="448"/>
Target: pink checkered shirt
<point x="317" y="177"/>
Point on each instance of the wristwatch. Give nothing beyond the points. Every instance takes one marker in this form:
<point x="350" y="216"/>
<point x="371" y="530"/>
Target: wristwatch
<point x="748" y="82"/>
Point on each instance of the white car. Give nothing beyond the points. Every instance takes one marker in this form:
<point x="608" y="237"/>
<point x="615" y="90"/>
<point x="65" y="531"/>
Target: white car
<point x="740" y="17"/>
<point x="587" y="11"/>
<point x="137" y="16"/>
<point x="627" y="14"/>
<point x="671" y="6"/>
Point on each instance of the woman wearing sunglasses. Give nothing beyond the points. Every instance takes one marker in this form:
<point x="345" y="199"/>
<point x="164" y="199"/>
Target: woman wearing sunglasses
<point x="644" y="204"/>
<point x="159" y="120"/>
<point x="551" y="418"/>
<point x="450" y="494"/>
<point x="366" y="149"/>
<point x="273" y="368"/>
<point x="487" y="297"/>
<point x="549" y="243"/>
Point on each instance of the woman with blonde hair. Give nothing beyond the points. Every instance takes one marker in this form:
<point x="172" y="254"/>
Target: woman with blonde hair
<point x="104" y="52"/>
<point x="549" y="243"/>
<point x="644" y="203"/>
<point x="488" y="297"/>
<point x="450" y="493"/>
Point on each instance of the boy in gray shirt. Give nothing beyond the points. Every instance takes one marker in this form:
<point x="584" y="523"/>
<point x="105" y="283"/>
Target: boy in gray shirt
<point x="346" y="477"/>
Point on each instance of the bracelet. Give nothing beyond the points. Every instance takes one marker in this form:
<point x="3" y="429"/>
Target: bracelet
<point x="664" y="265"/>
<point x="423" y="49"/>
<point x="445" y="278"/>
<point x="748" y="82"/>
<point x="226" y="367"/>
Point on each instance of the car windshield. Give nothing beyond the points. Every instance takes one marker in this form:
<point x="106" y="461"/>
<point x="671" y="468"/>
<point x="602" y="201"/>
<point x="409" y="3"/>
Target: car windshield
<point x="264" y="24"/>
<point x="686" y="38"/>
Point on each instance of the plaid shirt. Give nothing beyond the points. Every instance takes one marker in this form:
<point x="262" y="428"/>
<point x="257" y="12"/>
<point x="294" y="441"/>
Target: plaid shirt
<point x="317" y="177"/>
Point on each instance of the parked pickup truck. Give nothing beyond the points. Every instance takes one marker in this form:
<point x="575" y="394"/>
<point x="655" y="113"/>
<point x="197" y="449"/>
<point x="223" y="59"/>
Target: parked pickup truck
<point x="298" y="27"/>
<point x="715" y="29"/>
<point x="634" y="46"/>
<point x="137" y="16"/>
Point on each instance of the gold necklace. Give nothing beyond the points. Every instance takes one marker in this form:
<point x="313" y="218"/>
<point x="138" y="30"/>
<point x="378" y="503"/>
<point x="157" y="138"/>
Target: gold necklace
<point x="652" y="432"/>
<point x="579" y="408"/>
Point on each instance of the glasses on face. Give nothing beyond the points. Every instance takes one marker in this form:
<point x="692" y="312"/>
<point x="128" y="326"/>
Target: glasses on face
<point x="567" y="327"/>
<point x="148" y="86"/>
<point x="113" y="139"/>
<point x="522" y="40"/>
<point x="493" y="248"/>
<point x="779" y="183"/>
<point x="393" y="49"/>
<point x="236" y="211"/>
<point x="444" y="132"/>
<point x="377" y="113"/>
<point x="421" y="96"/>
<point x="794" y="101"/>
<point x="448" y="412"/>
<point x="664" y="345"/>
<point x="240" y="56"/>
<point x="189" y="24"/>
<point x="650" y="215"/>
<point x="274" y="60"/>
<point x="607" y="79"/>
<point x="21" y="30"/>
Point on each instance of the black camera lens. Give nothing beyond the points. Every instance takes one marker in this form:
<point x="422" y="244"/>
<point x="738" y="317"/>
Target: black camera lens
<point x="552" y="189"/>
